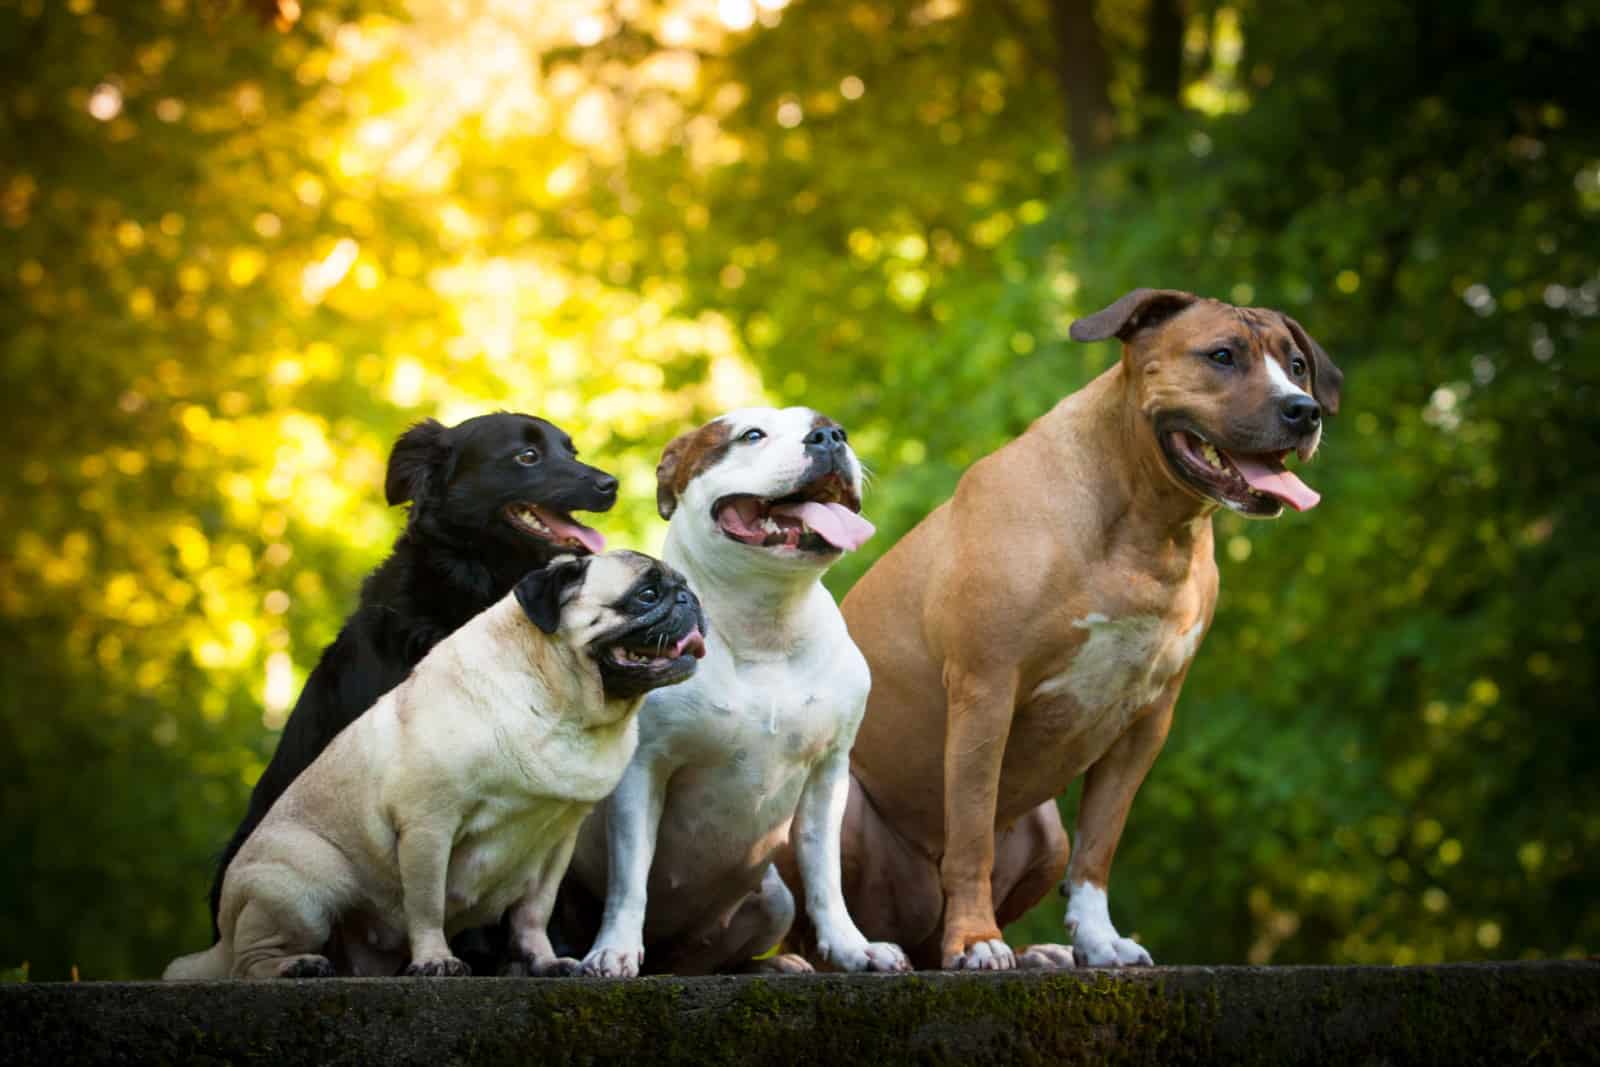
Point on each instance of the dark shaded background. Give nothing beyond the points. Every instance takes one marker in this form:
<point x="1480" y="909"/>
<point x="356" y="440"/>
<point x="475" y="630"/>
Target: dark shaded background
<point x="246" y="243"/>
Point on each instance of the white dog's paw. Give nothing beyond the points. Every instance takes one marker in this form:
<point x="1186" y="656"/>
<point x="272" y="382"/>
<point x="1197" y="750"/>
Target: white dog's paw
<point x="1046" y="958"/>
<point x="991" y="955"/>
<point x="878" y="956"/>
<point x="1109" y="949"/>
<point x="608" y="962"/>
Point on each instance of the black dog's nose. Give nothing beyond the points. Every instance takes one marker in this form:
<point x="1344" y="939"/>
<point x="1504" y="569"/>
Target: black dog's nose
<point x="828" y="438"/>
<point x="1302" y="413"/>
<point x="605" y="483"/>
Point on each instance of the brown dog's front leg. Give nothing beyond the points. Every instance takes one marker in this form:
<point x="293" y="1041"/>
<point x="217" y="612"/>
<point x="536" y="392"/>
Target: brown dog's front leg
<point x="1108" y="791"/>
<point x="978" y="723"/>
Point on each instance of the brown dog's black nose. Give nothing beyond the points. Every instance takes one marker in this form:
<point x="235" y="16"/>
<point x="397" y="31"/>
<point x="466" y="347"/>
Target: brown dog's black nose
<point x="1301" y="413"/>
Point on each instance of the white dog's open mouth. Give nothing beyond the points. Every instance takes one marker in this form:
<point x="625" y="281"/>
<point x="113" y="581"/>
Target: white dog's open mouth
<point x="556" y="527"/>
<point x="824" y="516"/>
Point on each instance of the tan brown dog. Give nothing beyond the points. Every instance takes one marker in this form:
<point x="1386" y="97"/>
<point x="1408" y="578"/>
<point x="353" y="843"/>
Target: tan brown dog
<point x="1038" y="627"/>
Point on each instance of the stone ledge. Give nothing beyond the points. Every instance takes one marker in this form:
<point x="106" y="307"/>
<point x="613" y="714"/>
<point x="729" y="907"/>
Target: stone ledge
<point x="1500" y="1013"/>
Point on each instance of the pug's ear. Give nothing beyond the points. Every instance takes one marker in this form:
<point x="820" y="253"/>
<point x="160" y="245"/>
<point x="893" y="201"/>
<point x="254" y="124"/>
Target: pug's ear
<point x="1133" y="312"/>
<point x="1326" y="379"/>
<point x="543" y="592"/>
<point x="421" y="457"/>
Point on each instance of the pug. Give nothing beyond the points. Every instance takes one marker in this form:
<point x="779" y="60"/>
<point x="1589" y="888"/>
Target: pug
<point x="460" y="793"/>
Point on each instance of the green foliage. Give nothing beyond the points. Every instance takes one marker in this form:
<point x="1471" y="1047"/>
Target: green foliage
<point x="238" y="261"/>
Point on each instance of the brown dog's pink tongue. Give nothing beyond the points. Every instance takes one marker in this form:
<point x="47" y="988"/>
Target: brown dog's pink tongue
<point x="834" y="523"/>
<point x="1267" y="475"/>
<point x="562" y="526"/>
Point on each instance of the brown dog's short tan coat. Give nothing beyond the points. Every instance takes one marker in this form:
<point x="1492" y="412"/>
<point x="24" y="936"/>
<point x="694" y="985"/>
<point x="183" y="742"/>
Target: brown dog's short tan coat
<point x="1038" y="626"/>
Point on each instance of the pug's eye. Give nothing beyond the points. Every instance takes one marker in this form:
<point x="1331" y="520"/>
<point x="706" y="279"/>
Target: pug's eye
<point x="752" y="435"/>
<point x="648" y="595"/>
<point x="1222" y="357"/>
<point x="528" y="457"/>
<point x="1297" y="367"/>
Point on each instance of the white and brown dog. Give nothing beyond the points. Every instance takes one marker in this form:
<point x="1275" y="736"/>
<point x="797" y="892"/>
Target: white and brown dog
<point x="761" y="502"/>
<point x="1038" y="627"/>
<point x="459" y="794"/>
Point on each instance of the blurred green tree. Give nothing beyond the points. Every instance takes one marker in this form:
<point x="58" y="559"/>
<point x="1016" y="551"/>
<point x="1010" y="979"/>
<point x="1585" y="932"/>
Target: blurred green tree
<point x="242" y="254"/>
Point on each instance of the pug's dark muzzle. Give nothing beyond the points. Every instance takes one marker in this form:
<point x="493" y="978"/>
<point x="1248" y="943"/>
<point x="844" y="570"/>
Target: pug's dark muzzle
<point x="656" y="648"/>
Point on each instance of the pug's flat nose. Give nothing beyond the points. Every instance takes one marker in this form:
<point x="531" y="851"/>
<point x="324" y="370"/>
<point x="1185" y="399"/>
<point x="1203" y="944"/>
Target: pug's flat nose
<point x="1302" y="413"/>
<point x="682" y="598"/>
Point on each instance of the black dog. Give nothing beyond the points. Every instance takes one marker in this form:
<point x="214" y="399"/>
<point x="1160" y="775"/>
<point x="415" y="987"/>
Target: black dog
<point x="490" y="501"/>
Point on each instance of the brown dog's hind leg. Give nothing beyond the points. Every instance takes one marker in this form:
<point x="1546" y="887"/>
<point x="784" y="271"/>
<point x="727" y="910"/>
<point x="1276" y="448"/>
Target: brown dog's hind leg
<point x="1030" y="858"/>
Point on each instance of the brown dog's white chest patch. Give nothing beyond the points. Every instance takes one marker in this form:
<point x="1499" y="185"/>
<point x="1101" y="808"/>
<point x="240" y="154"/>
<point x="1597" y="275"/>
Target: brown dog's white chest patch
<point x="1124" y="664"/>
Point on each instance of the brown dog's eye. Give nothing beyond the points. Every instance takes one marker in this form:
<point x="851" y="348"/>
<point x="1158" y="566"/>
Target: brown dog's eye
<point x="1297" y="367"/>
<point x="528" y="457"/>
<point x="1223" y="357"/>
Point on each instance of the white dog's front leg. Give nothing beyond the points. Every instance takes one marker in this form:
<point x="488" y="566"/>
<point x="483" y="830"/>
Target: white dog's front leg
<point x="1095" y="942"/>
<point x="815" y="834"/>
<point x="633" y="815"/>
<point x="424" y="854"/>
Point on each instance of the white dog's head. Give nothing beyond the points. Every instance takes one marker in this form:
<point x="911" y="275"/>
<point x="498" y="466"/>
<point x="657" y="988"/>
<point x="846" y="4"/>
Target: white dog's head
<point x="781" y="485"/>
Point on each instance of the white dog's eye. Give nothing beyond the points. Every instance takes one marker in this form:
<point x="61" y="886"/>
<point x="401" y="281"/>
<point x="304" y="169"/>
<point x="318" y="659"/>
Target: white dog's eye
<point x="752" y="435"/>
<point x="528" y="457"/>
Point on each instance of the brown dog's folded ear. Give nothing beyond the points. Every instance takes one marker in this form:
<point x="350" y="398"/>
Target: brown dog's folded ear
<point x="542" y="592"/>
<point x="1326" y="379"/>
<point x="1131" y="313"/>
<point x="416" y="455"/>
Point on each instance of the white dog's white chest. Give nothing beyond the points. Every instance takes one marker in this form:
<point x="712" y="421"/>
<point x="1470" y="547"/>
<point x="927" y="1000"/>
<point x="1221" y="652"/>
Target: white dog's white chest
<point x="1124" y="664"/>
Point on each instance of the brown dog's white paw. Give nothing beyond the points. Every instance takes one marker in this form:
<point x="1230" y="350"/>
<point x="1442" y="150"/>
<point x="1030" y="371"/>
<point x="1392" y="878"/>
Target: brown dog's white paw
<point x="1113" y="951"/>
<point x="992" y="954"/>
<point x="1046" y="958"/>
<point x="443" y="967"/>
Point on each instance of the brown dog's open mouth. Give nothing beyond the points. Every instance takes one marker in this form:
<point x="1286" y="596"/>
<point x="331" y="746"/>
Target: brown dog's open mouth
<point x="556" y="527"/>
<point x="824" y="516"/>
<point x="1254" y="483"/>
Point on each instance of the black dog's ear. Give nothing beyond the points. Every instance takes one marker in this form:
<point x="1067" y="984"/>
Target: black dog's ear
<point x="1326" y="379"/>
<point x="1135" y="311"/>
<point x="417" y="454"/>
<point x="542" y="592"/>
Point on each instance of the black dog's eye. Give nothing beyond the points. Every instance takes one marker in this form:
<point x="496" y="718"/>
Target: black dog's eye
<point x="1223" y="357"/>
<point x="1297" y="367"/>
<point x="528" y="457"/>
<point x="648" y="595"/>
<point x="752" y="435"/>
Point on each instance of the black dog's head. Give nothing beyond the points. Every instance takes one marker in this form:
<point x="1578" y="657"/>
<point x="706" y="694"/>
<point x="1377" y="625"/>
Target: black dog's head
<point x="508" y="478"/>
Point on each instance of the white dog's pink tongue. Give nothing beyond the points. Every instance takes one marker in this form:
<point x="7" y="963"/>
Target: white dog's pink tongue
<point x="1270" y="477"/>
<point x="834" y="523"/>
<point x="564" y="527"/>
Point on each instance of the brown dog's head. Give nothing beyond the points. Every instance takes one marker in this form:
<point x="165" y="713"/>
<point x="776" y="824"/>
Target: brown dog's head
<point x="1228" y="392"/>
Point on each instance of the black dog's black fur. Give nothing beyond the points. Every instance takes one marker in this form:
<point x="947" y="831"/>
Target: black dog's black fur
<point x="458" y="554"/>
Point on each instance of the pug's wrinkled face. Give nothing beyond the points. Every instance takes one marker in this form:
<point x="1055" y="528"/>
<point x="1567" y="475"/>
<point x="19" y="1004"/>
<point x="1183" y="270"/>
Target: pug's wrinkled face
<point x="633" y="615"/>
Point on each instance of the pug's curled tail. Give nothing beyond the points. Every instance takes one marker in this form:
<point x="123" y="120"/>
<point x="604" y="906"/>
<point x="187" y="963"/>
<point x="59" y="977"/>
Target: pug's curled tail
<point x="212" y="963"/>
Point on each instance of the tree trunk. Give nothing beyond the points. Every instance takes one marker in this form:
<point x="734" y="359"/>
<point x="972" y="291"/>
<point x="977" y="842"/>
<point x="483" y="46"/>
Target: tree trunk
<point x="1163" y="51"/>
<point x="1084" y="74"/>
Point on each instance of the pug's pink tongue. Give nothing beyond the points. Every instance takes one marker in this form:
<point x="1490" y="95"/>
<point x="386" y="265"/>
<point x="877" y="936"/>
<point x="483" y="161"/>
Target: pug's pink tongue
<point x="1270" y="477"/>
<point x="834" y="523"/>
<point x="564" y="527"/>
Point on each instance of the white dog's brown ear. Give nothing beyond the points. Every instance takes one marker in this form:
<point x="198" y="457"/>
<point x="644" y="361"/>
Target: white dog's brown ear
<point x="1326" y="379"/>
<point x="1135" y="311"/>
<point x="418" y="453"/>
<point x="687" y="455"/>
<point x="542" y="592"/>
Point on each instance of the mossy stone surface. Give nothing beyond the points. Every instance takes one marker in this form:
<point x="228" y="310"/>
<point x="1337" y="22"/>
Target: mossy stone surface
<point x="1523" y="1013"/>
